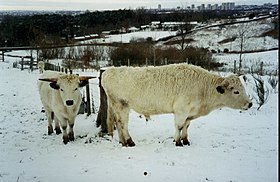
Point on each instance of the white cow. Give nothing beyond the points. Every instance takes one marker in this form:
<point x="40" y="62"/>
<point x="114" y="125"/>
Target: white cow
<point x="61" y="98"/>
<point x="185" y="90"/>
<point x="41" y="66"/>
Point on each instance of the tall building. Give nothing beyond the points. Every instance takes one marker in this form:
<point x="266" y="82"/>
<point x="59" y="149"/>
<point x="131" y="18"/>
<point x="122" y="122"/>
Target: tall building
<point x="215" y="7"/>
<point x="202" y="7"/>
<point x="193" y="6"/>
<point x="228" y="6"/>
<point x="159" y="7"/>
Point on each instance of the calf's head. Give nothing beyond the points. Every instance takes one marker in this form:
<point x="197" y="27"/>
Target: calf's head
<point x="234" y="94"/>
<point x="68" y="87"/>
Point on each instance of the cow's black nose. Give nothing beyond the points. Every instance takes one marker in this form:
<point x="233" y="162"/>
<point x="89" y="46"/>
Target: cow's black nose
<point x="69" y="102"/>
<point x="250" y="105"/>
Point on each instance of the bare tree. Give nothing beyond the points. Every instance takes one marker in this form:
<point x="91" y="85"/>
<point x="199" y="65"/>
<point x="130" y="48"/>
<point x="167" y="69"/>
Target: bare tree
<point x="244" y="31"/>
<point x="88" y="55"/>
<point x="183" y="27"/>
<point x="99" y="52"/>
<point x="68" y="61"/>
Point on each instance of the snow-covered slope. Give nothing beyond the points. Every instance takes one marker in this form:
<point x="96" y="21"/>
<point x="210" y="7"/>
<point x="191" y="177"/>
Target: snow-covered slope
<point x="226" y="145"/>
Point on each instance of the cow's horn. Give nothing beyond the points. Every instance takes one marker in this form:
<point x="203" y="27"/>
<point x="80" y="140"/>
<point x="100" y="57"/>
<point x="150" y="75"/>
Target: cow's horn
<point x="48" y="79"/>
<point x="82" y="78"/>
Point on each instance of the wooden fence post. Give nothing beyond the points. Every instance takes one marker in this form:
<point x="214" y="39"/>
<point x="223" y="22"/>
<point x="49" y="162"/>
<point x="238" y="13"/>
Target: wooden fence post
<point x="22" y="60"/>
<point x="234" y="67"/>
<point x="88" y="100"/>
<point x="31" y="63"/>
<point x="3" y="57"/>
<point x="102" y="113"/>
<point x="261" y="69"/>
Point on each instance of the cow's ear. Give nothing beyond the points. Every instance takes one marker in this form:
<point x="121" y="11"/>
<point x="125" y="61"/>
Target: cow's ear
<point x="220" y="89"/>
<point x="83" y="83"/>
<point x="54" y="85"/>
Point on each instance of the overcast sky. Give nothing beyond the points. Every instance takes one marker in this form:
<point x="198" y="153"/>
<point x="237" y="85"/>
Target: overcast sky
<point x="111" y="4"/>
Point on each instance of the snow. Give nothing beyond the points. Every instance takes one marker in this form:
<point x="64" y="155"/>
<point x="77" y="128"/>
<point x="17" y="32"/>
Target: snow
<point x="127" y="37"/>
<point x="252" y="61"/>
<point x="226" y="145"/>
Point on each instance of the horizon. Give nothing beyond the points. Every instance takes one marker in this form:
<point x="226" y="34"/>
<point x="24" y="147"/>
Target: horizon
<point x="94" y="5"/>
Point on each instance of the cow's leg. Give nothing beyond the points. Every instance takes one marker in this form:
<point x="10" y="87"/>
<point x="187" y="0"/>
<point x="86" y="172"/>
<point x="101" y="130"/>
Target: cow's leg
<point x="63" y="124"/>
<point x="124" y="114"/>
<point x="71" y="131"/>
<point x="120" y="132"/>
<point x="57" y="126"/>
<point x="185" y="132"/>
<point x="50" y="121"/>
<point x="180" y="121"/>
<point x="113" y="117"/>
<point x="110" y="117"/>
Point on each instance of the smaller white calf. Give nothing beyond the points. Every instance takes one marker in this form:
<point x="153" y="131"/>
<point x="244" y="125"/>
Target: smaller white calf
<point x="61" y="98"/>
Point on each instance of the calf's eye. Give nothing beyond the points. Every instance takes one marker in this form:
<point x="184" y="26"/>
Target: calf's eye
<point x="61" y="90"/>
<point x="236" y="92"/>
<point x="76" y="89"/>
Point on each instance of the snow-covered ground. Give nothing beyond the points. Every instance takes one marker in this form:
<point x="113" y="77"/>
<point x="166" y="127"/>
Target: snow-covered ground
<point x="226" y="145"/>
<point x="133" y="36"/>
<point x="251" y="62"/>
<point x="211" y="38"/>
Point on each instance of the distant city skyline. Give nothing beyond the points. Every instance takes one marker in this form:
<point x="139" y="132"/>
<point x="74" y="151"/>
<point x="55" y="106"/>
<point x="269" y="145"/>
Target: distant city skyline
<point x="49" y="5"/>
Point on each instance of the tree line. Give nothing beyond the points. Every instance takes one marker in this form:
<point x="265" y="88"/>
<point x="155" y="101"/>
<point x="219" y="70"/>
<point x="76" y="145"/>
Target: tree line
<point x="32" y="30"/>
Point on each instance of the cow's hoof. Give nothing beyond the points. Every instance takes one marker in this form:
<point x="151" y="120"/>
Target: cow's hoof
<point x="186" y="142"/>
<point x="57" y="131"/>
<point x="71" y="136"/>
<point x="65" y="140"/>
<point x="50" y="130"/>
<point x="130" y="143"/>
<point x="179" y="144"/>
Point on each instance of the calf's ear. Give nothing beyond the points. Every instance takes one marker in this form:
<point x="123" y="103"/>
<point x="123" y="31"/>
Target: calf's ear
<point x="54" y="85"/>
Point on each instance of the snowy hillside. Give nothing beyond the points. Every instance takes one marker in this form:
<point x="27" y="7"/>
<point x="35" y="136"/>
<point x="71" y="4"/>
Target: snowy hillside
<point x="215" y="38"/>
<point x="226" y="145"/>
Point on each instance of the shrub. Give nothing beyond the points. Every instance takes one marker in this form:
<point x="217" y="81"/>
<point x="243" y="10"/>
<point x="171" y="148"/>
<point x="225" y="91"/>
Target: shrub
<point x="226" y="50"/>
<point x="137" y="53"/>
<point x="201" y="57"/>
<point x="261" y="91"/>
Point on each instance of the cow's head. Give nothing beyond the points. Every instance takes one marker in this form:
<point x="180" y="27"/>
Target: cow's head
<point x="234" y="94"/>
<point x="68" y="87"/>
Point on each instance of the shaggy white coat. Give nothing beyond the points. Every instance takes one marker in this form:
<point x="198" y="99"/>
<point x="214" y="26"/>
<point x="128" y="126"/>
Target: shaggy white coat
<point x="185" y="90"/>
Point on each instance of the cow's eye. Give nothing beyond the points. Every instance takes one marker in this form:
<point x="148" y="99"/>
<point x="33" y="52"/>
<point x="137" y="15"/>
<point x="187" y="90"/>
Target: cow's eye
<point x="61" y="90"/>
<point x="76" y="89"/>
<point x="236" y="92"/>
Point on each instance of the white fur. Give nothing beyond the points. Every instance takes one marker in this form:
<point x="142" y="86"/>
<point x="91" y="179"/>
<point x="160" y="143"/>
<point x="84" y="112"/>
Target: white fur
<point x="55" y="101"/>
<point x="185" y="90"/>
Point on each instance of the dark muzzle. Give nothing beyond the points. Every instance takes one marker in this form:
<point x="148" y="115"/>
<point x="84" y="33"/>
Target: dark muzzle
<point x="69" y="102"/>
